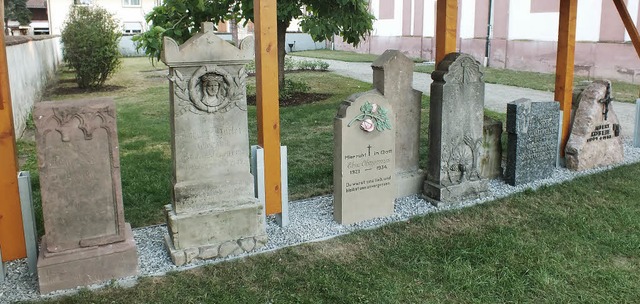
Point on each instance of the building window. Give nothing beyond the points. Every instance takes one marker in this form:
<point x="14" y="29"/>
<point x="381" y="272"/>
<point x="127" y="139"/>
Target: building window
<point x="132" y="28"/>
<point x="130" y="2"/>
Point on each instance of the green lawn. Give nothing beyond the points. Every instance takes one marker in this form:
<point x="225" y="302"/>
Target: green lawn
<point x="340" y="55"/>
<point x="574" y="242"/>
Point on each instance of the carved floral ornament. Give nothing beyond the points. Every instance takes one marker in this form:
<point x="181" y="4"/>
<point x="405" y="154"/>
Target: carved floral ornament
<point x="372" y="117"/>
<point x="211" y="89"/>
<point x="89" y="120"/>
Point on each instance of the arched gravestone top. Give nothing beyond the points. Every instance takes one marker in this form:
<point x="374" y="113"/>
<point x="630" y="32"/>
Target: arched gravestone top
<point x="458" y="68"/>
<point x="206" y="46"/>
<point x="455" y="130"/>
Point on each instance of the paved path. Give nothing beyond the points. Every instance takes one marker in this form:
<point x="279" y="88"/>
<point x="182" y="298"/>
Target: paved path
<point x="496" y="95"/>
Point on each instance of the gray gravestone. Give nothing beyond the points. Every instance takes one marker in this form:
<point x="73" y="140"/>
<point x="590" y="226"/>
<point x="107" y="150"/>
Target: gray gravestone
<point x="364" y="159"/>
<point x="455" y="130"/>
<point x="595" y="134"/>
<point x="214" y="212"/>
<point x="393" y="77"/>
<point x="491" y="159"/>
<point x="532" y="148"/>
<point x="86" y="238"/>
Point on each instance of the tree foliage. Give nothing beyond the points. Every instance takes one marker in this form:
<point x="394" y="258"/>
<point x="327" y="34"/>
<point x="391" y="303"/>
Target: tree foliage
<point x="17" y="10"/>
<point x="90" y="45"/>
<point x="181" y="19"/>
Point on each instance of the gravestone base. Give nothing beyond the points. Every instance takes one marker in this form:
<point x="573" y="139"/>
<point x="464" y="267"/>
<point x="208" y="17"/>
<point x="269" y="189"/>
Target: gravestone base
<point x="183" y="256"/>
<point x="213" y="233"/>
<point x="409" y="182"/>
<point x="440" y="195"/>
<point x="86" y="266"/>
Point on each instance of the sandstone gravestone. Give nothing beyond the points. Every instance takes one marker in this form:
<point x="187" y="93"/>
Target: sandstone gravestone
<point x="214" y="212"/>
<point x="455" y="130"/>
<point x="86" y="238"/>
<point x="393" y="77"/>
<point x="364" y="159"/>
<point x="491" y="160"/>
<point x="532" y="148"/>
<point x="595" y="135"/>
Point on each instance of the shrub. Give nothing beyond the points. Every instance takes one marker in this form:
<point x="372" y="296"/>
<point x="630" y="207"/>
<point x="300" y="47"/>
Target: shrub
<point x="291" y="87"/>
<point x="90" y="45"/>
<point x="289" y="64"/>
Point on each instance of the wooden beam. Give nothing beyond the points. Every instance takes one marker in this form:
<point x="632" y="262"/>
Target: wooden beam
<point x="11" y="230"/>
<point x="628" y="24"/>
<point x="446" y="28"/>
<point x="266" y="31"/>
<point x="564" y="64"/>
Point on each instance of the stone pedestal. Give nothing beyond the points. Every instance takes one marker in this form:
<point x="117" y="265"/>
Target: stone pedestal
<point x="393" y="77"/>
<point x="491" y="160"/>
<point x="87" y="266"/>
<point x="86" y="239"/>
<point x="213" y="212"/>
<point x="455" y="131"/>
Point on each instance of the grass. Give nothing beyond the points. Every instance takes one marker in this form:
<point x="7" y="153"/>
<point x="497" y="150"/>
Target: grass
<point x="341" y="55"/>
<point x="573" y="242"/>
<point x="622" y="91"/>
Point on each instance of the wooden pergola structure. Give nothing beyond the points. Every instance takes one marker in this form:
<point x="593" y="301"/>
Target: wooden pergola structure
<point x="11" y="231"/>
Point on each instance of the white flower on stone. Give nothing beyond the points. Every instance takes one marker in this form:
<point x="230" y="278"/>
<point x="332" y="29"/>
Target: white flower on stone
<point x="374" y="108"/>
<point x="367" y="125"/>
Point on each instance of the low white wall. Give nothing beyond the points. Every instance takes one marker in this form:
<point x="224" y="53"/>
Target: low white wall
<point x="32" y="63"/>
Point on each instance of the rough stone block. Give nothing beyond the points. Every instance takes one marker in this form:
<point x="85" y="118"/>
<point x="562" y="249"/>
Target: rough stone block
<point x="491" y="159"/>
<point x="87" y="266"/>
<point x="204" y="227"/>
<point x="595" y="138"/>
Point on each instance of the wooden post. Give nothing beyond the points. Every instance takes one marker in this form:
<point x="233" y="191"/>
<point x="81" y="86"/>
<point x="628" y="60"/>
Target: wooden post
<point x="268" y="110"/>
<point x="628" y="24"/>
<point x="564" y="64"/>
<point x="446" y="28"/>
<point x="11" y="229"/>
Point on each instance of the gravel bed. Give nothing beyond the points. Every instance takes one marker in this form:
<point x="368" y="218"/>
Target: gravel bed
<point x="310" y="220"/>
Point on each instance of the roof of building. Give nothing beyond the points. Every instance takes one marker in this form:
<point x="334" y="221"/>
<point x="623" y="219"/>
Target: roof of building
<point x="36" y="3"/>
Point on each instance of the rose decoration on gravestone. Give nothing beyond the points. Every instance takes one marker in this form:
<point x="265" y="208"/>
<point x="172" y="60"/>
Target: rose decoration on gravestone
<point x="372" y="117"/>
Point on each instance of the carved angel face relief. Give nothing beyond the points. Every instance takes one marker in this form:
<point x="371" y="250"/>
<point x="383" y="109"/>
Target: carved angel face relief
<point x="214" y="89"/>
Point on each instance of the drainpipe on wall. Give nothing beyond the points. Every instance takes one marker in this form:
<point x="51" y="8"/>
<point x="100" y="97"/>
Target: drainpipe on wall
<point x="487" y="48"/>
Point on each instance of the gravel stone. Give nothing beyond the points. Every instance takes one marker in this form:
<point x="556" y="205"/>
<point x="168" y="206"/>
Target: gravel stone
<point x="310" y="220"/>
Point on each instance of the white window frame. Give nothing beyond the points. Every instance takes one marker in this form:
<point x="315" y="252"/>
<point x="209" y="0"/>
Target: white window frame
<point x="125" y="4"/>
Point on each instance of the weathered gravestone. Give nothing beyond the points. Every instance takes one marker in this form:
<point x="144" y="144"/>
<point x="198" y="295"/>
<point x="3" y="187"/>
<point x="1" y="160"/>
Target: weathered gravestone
<point x="86" y="238"/>
<point x="595" y="135"/>
<point x="364" y="159"/>
<point x="491" y="159"/>
<point x="532" y="148"/>
<point x="393" y="77"/>
<point x="455" y="130"/>
<point x="214" y="212"/>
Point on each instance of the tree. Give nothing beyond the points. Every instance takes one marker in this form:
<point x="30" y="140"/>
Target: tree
<point x="180" y="19"/>
<point x="17" y="10"/>
<point x="90" y="45"/>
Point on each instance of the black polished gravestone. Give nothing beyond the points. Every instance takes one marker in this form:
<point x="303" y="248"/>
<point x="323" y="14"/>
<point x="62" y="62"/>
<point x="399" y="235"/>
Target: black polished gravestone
<point x="532" y="148"/>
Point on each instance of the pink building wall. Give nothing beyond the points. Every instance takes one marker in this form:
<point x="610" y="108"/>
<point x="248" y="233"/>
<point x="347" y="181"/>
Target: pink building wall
<point x="611" y="57"/>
